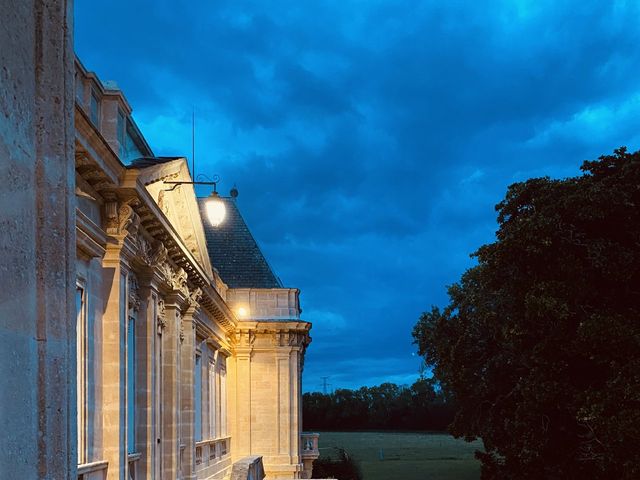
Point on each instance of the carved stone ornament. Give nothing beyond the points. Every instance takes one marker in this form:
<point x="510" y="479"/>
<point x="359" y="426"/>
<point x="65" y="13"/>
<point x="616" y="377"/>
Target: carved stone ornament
<point x="162" y="317"/>
<point x="134" y="298"/>
<point x="120" y="219"/>
<point x="245" y="338"/>
<point x="151" y="256"/>
<point x="159" y="254"/>
<point x="143" y="250"/>
<point x="128" y="220"/>
<point x="289" y="339"/>
<point x="195" y="296"/>
<point x="179" y="281"/>
<point x="166" y="272"/>
<point x="181" y="334"/>
<point x="111" y="217"/>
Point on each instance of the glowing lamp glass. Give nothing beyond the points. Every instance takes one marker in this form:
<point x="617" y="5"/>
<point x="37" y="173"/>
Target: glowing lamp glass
<point x="216" y="210"/>
<point x="243" y="312"/>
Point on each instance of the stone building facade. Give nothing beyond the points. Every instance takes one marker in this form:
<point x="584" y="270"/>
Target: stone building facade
<point x="125" y="354"/>
<point x="180" y="374"/>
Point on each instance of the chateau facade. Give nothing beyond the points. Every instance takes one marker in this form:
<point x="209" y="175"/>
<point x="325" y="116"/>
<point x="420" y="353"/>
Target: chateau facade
<point x="133" y="348"/>
<point x="181" y="371"/>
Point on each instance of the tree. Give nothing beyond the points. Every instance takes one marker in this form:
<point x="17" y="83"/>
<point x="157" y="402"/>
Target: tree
<point x="539" y="347"/>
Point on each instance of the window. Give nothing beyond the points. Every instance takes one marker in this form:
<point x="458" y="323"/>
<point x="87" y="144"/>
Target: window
<point x="223" y="397"/>
<point x="94" y="109"/>
<point x="131" y="385"/>
<point x="212" y="400"/>
<point x="82" y="371"/>
<point x="121" y="133"/>
<point x="197" y="398"/>
<point x="79" y="89"/>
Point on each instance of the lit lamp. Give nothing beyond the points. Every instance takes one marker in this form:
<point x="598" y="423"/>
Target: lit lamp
<point x="215" y="208"/>
<point x="213" y="205"/>
<point x="242" y="312"/>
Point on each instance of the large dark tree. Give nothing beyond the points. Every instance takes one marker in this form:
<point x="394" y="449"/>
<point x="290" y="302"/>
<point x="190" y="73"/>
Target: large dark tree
<point x="539" y="347"/>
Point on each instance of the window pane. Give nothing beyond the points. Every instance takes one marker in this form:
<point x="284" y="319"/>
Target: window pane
<point x="197" y="398"/>
<point x="81" y="368"/>
<point x="94" y="111"/>
<point x="131" y="386"/>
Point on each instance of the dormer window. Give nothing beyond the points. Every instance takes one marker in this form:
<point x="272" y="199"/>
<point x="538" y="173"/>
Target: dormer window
<point x="79" y="89"/>
<point x="122" y="135"/>
<point x="94" y="109"/>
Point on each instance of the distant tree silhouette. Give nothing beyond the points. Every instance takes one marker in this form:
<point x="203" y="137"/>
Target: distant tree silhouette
<point x="384" y="407"/>
<point x="539" y="347"/>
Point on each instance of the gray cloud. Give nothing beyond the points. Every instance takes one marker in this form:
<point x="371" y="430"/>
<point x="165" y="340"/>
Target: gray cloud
<point x="371" y="140"/>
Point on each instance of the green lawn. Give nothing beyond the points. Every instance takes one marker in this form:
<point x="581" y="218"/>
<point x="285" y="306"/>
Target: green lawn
<point x="406" y="456"/>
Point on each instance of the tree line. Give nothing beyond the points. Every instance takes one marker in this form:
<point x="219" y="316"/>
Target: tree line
<point x="420" y="406"/>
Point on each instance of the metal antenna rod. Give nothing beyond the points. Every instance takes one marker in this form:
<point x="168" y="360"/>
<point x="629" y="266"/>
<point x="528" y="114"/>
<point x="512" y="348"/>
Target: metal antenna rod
<point x="193" y="142"/>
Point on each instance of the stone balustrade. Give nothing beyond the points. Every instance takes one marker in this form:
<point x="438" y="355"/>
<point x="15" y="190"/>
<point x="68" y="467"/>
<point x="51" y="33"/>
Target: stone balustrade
<point x="210" y="451"/>
<point x="309" y="443"/>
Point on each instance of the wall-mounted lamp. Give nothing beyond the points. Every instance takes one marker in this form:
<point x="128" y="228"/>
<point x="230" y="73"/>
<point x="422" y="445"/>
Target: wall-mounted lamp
<point x="214" y="206"/>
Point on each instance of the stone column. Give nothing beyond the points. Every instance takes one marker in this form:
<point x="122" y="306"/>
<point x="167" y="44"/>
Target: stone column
<point x="171" y="389"/>
<point x="285" y="412"/>
<point x="146" y="333"/>
<point x="243" y="395"/>
<point x="114" y="338"/>
<point x="296" y="405"/>
<point x="187" y="366"/>
<point x="37" y="244"/>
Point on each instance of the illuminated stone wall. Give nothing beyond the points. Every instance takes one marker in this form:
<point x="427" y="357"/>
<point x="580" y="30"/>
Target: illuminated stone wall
<point x="37" y="247"/>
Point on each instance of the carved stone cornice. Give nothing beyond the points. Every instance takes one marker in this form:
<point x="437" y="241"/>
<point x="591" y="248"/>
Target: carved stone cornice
<point x="289" y="338"/>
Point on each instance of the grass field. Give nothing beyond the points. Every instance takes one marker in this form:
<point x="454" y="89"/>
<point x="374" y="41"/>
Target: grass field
<point x="406" y="456"/>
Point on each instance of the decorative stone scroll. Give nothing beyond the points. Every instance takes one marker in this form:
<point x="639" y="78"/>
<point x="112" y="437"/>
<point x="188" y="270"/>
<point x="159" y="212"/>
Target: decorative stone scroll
<point x="153" y="256"/>
<point x="120" y="218"/>
<point x="179" y="280"/>
<point x="195" y="296"/>
<point x="161" y="317"/>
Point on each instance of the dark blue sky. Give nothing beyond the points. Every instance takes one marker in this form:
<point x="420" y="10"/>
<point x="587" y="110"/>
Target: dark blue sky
<point x="370" y="140"/>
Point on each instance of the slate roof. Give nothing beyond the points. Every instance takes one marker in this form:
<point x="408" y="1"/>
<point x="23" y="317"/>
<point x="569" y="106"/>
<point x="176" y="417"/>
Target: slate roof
<point x="144" y="162"/>
<point x="234" y="252"/>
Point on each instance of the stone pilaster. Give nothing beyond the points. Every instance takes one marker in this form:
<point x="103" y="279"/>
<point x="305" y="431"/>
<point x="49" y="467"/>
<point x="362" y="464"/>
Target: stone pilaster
<point x="242" y="433"/>
<point x="187" y="366"/>
<point x="114" y="338"/>
<point x="146" y="334"/>
<point x="285" y="435"/>
<point x="37" y="244"/>
<point x="171" y="389"/>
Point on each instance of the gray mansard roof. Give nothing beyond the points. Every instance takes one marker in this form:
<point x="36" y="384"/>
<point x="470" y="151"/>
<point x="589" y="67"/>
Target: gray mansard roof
<point x="234" y="252"/>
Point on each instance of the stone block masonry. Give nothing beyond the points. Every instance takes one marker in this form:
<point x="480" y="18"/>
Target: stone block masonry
<point x="37" y="241"/>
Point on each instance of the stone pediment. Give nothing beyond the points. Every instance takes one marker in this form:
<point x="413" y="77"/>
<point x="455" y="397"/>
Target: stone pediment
<point x="177" y="202"/>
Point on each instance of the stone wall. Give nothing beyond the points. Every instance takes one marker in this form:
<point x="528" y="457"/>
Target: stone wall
<point x="37" y="243"/>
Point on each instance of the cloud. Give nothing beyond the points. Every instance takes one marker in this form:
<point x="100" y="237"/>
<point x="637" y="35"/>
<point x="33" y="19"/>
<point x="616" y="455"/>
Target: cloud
<point x="371" y="140"/>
